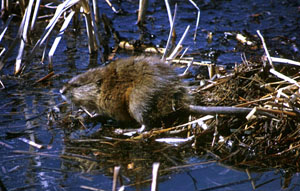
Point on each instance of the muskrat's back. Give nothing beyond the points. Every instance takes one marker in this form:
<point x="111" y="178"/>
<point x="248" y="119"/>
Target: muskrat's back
<point x="136" y="89"/>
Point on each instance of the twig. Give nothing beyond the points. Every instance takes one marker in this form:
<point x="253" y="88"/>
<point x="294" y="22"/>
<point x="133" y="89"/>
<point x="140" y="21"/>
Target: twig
<point x="250" y="178"/>
<point x="251" y="114"/>
<point x="254" y="101"/>
<point x="284" y="77"/>
<point x="175" y="141"/>
<point x="6" y="145"/>
<point x="91" y="188"/>
<point x="285" y="61"/>
<point x="31" y="143"/>
<point x="187" y="68"/>
<point x="185" y="50"/>
<point x="203" y="63"/>
<point x="244" y="59"/>
<point x="45" y="77"/>
<point x="199" y="121"/>
<point x="227" y="185"/>
<point x="177" y="167"/>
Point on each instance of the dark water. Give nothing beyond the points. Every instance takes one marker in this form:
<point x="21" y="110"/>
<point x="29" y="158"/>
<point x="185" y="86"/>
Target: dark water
<point x="26" y="107"/>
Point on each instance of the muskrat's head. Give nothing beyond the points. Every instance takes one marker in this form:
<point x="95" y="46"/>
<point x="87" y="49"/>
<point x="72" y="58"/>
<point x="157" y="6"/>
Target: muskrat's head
<point x="83" y="90"/>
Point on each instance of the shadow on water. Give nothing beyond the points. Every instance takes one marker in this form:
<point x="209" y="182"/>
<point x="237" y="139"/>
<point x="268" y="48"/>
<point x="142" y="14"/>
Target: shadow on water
<point x="78" y="155"/>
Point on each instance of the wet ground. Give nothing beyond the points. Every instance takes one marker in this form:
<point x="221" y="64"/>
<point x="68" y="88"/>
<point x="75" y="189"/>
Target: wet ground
<point x="74" y="158"/>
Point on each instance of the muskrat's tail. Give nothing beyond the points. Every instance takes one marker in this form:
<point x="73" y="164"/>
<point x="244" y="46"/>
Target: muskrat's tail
<point x="227" y="110"/>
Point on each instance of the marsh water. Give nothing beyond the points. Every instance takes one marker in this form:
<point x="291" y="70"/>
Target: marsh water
<point x="78" y="156"/>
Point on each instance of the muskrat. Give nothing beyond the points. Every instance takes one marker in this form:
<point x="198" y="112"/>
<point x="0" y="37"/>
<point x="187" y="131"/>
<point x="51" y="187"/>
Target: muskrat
<point x="141" y="90"/>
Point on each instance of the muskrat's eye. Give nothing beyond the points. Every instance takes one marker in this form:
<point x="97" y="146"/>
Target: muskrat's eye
<point x="99" y="82"/>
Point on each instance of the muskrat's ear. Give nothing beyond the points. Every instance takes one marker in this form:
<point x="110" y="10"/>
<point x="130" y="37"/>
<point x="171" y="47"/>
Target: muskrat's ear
<point x="75" y="84"/>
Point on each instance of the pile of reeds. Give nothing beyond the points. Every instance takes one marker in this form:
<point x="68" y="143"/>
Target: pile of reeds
<point x="256" y="140"/>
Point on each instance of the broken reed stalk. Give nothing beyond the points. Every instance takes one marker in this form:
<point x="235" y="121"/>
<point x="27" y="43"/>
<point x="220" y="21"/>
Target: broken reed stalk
<point x="272" y="70"/>
<point x="61" y="8"/>
<point x="4" y="6"/>
<point x="189" y="64"/>
<point x="35" y="12"/>
<point x="89" y="26"/>
<point x="154" y="176"/>
<point x="96" y="13"/>
<point x="198" y="18"/>
<point x="2" y="52"/>
<point x="8" y="52"/>
<point x="22" y="7"/>
<point x="265" y="48"/>
<point x="2" y="85"/>
<point x="143" y="5"/>
<point x="24" y="40"/>
<point x="111" y="6"/>
<point x="115" y="177"/>
<point x="179" y="46"/>
<point x="58" y="38"/>
<point x="6" y="26"/>
<point x="94" y="42"/>
<point x="97" y="35"/>
<point x="172" y="22"/>
<point x="45" y="48"/>
<point x="169" y="12"/>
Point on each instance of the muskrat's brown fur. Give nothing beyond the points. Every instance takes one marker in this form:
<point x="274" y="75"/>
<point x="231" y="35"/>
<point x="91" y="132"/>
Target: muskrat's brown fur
<point x="141" y="89"/>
